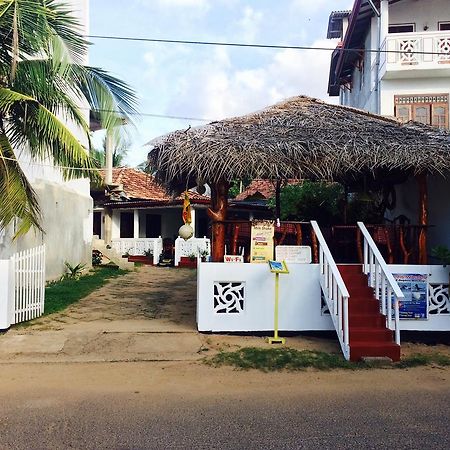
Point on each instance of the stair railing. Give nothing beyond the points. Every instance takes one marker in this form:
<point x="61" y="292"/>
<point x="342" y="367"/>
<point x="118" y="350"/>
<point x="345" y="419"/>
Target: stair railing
<point x="387" y="290"/>
<point x="334" y="290"/>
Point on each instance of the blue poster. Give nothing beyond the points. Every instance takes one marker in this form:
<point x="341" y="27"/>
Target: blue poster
<point x="415" y="289"/>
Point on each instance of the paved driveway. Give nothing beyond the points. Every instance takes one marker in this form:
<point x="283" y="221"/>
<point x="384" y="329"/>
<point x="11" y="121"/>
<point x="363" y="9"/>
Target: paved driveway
<point x="146" y="314"/>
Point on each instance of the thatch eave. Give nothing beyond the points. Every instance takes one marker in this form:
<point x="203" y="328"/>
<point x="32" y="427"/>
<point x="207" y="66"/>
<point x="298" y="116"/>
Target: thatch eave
<point x="298" y="138"/>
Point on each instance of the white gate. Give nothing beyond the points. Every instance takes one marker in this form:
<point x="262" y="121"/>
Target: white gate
<point x="29" y="284"/>
<point x="23" y="286"/>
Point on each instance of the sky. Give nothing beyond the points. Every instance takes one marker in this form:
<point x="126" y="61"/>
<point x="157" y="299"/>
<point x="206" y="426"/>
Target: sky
<point x="210" y="82"/>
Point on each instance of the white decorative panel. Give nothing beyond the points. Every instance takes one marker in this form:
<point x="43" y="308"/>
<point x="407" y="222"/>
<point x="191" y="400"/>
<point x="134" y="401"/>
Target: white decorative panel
<point x="229" y="297"/>
<point x="408" y="47"/>
<point x="438" y="299"/>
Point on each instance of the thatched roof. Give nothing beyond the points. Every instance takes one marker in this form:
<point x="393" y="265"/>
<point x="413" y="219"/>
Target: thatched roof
<point x="299" y="138"/>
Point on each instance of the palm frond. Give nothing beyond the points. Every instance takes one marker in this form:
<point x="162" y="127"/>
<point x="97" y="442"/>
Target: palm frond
<point x="30" y="123"/>
<point x="18" y="197"/>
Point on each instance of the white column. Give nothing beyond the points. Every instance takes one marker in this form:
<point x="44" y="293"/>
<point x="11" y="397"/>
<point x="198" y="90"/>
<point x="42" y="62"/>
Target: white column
<point x="193" y="221"/>
<point x="136" y="224"/>
<point x="108" y="158"/>
<point x="115" y="224"/>
<point x="384" y="17"/>
<point x="6" y="295"/>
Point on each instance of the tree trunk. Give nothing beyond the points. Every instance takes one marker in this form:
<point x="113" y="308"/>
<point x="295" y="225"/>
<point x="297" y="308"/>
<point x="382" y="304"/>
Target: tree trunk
<point x="423" y="217"/>
<point x="218" y="213"/>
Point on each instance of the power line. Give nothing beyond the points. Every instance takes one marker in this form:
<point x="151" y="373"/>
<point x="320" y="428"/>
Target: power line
<point x="267" y="46"/>
<point x="161" y="116"/>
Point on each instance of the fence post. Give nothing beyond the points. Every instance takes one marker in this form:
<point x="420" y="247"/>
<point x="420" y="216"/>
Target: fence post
<point x="6" y="293"/>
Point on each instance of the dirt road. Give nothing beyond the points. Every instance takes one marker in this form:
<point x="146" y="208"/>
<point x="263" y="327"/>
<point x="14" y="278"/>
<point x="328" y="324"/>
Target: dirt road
<point x="181" y="405"/>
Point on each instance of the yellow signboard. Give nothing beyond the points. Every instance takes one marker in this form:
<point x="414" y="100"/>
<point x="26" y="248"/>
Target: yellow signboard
<point x="261" y="249"/>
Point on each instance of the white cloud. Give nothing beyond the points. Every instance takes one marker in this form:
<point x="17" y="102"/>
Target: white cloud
<point x="202" y="4"/>
<point x="250" y="23"/>
<point x="216" y="89"/>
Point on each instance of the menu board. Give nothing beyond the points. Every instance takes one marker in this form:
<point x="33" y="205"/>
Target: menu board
<point x="262" y="234"/>
<point x="297" y="254"/>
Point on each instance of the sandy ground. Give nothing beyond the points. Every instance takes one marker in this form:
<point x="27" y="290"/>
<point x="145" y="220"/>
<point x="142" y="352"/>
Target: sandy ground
<point x="146" y="315"/>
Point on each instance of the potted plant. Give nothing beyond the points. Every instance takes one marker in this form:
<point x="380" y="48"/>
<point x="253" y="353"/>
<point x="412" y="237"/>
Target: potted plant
<point x="204" y="255"/>
<point x="442" y="253"/>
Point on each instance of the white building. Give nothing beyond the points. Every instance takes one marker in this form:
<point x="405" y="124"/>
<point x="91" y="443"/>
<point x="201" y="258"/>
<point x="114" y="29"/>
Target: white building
<point x="66" y="207"/>
<point x="409" y="78"/>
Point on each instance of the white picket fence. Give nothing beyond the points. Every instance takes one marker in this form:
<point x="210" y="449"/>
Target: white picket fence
<point x="191" y="247"/>
<point x="138" y="246"/>
<point x="22" y="286"/>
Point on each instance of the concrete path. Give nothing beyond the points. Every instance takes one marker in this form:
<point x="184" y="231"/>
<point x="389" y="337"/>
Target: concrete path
<point x="148" y="314"/>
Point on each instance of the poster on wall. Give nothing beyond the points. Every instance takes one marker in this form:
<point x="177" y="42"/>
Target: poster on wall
<point x="262" y="234"/>
<point x="415" y="289"/>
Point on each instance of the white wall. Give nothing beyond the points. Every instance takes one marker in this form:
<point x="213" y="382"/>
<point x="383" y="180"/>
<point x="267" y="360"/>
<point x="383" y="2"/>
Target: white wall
<point x="300" y="307"/>
<point x="300" y="298"/>
<point x="390" y="88"/>
<point x="421" y="12"/>
<point x="67" y="229"/>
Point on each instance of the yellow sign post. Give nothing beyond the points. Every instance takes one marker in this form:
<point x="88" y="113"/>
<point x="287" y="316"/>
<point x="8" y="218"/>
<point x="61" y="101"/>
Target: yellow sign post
<point x="277" y="267"/>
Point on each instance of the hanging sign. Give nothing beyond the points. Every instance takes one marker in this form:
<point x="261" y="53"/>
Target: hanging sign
<point x="297" y="254"/>
<point x="233" y="259"/>
<point x="262" y="234"/>
<point x="415" y="288"/>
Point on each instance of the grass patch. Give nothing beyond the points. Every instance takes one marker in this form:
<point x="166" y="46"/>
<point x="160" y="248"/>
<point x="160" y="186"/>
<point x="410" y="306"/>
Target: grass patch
<point x="60" y="294"/>
<point x="273" y="359"/>
<point x="420" y="359"/>
<point x="279" y="358"/>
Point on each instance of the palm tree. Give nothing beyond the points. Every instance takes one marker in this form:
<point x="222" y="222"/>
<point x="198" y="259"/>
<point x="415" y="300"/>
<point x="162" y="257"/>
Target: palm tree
<point x="42" y="84"/>
<point x="120" y="150"/>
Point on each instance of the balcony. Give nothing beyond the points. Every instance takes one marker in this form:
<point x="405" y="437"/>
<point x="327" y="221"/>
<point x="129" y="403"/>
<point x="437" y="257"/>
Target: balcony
<point x="409" y="55"/>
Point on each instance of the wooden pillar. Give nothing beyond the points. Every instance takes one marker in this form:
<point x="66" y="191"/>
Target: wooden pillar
<point x="423" y="216"/>
<point x="218" y="213"/>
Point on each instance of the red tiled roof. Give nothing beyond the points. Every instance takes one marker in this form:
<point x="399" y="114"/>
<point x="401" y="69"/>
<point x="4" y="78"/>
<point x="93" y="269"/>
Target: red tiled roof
<point x="261" y="189"/>
<point x="139" y="185"/>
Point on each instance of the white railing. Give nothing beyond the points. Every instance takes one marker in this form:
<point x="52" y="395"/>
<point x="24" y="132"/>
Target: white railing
<point x="193" y="247"/>
<point x="420" y="50"/>
<point x="334" y="290"/>
<point x="138" y="246"/>
<point x="380" y="278"/>
<point x="22" y="282"/>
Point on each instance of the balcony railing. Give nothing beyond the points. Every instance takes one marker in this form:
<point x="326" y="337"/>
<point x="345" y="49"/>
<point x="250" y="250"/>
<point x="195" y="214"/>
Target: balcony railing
<point x="426" y="50"/>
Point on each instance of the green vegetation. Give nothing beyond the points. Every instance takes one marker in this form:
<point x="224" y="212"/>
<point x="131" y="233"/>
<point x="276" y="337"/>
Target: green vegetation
<point x="291" y="359"/>
<point x="60" y="294"/>
<point x="43" y="82"/>
<point x="442" y="253"/>
<point x="311" y="200"/>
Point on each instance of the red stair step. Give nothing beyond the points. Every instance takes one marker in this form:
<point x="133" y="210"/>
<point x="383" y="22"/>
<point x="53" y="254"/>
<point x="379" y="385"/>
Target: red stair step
<point x="371" y="334"/>
<point x="363" y="306"/>
<point x="350" y="269"/>
<point x="366" y="320"/>
<point x="362" y="349"/>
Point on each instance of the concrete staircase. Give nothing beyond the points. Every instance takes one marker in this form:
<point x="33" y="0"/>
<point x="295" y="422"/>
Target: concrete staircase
<point x="369" y="336"/>
<point x="111" y="255"/>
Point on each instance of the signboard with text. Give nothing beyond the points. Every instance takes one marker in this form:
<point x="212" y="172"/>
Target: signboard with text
<point x="415" y="289"/>
<point x="261" y="249"/>
<point x="297" y="254"/>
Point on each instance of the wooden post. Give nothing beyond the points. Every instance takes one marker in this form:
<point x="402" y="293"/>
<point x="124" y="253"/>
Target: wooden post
<point x="218" y="213"/>
<point x="423" y="216"/>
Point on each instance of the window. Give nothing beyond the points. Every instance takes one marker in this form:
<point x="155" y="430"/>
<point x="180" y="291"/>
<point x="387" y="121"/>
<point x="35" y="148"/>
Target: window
<point x="152" y="226"/>
<point x="126" y="224"/>
<point x="427" y="109"/>
<point x="444" y="26"/>
<point x="402" y="28"/>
